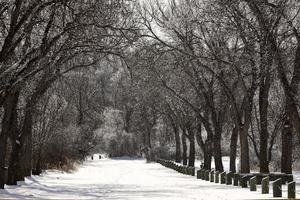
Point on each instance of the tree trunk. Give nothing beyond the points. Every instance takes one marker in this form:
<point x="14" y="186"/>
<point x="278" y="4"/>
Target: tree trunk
<point x="16" y="167"/>
<point x="127" y="117"/>
<point x="263" y="150"/>
<point x="9" y="125"/>
<point x="218" y="151"/>
<point x="207" y="156"/>
<point x="290" y="89"/>
<point x="177" y="141"/>
<point x="27" y="154"/>
<point x="264" y="88"/>
<point x="233" y="149"/>
<point x="287" y="145"/>
<point x="205" y="147"/>
<point x="192" y="149"/>
<point x="244" y="148"/>
<point x="15" y="172"/>
<point x="18" y="163"/>
<point x="292" y="112"/>
<point x="149" y="146"/>
<point x="3" y="141"/>
<point x="184" y="148"/>
<point x="38" y="167"/>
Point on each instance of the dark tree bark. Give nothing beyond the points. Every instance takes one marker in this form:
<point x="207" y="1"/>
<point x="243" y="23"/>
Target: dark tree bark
<point x="127" y="118"/>
<point x="205" y="147"/>
<point x="244" y="118"/>
<point x="177" y="144"/>
<point x="3" y="141"/>
<point x="192" y="149"/>
<point x="14" y="168"/>
<point x="38" y="167"/>
<point x="245" y="159"/>
<point x="7" y="126"/>
<point x="207" y="156"/>
<point x="266" y="57"/>
<point x="290" y="87"/>
<point x="287" y="148"/>
<point x="264" y="133"/>
<point x="17" y="166"/>
<point x="184" y="148"/>
<point x="233" y="149"/>
<point x="149" y="120"/>
<point x="27" y="156"/>
<point x="175" y="127"/>
<point x="218" y="152"/>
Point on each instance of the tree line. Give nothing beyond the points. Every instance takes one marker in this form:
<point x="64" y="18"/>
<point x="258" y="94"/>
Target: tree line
<point x="217" y="73"/>
<point x="45" y="44"/>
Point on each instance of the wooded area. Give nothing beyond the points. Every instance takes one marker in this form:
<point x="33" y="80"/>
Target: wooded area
<point x="174" y="79"/>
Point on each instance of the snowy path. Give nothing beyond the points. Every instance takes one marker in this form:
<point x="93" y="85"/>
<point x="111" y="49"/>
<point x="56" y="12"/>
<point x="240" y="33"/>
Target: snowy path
<point x="123" y="179"/>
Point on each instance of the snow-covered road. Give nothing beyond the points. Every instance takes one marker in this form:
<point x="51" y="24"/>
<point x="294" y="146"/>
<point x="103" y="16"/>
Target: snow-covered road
<point x="123" y="179"/>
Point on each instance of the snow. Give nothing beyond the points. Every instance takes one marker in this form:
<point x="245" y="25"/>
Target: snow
<point x="124" y="178"/>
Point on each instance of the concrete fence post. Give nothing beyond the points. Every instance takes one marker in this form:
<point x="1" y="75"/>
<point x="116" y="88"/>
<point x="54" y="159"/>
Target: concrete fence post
<point x="229" y="178"/>
<point x="193" y="171"/>
<point x="184" y="169"/>
<point x="265" y="185"/>
<point x="244" y="182"/>
<point x="212" y="176"/>
<point x="252" y="183"/>
<point x="207" y="175"/>
<point x="202" y="175"/>
<point x="277" y="188"/>
<point x="187" y="170"/>
<point x="198" y="174"/>
<point x="236" y="178"/>
<point x="291" y="190"/>
<point x="223" y="178"/>
<point x="217" y="176"/>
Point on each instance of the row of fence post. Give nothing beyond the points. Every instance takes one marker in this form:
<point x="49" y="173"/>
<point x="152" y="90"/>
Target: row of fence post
<point x="179" y="168"/>
<point x="236" y="179"/>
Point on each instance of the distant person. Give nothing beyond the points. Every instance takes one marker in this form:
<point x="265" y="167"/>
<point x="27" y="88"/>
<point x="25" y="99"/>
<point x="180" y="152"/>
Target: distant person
<point x="99" y="157"/>
<point x="92" y="157"/>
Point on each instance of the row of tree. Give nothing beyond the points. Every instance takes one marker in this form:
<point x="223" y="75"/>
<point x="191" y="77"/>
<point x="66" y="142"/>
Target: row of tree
<point x="45" y="97"/>
<point x="219" y="72"/>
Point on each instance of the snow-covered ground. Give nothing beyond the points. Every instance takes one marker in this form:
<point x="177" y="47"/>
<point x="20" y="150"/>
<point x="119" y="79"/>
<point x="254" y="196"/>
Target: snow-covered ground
<point x="124" y="179"/>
